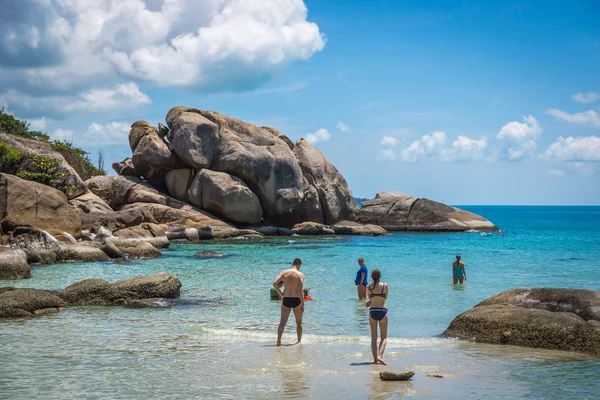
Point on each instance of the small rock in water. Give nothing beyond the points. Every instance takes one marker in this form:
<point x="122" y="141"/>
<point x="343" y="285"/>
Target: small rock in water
<point x="394" y="376"/>
<point x="122" y="260"/>
<point x="435" y="376"/>
<point x="208" y="254"/>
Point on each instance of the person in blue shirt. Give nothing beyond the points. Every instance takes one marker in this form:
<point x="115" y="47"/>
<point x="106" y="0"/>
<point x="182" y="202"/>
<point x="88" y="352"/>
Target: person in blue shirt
<point x="361" y="280"/>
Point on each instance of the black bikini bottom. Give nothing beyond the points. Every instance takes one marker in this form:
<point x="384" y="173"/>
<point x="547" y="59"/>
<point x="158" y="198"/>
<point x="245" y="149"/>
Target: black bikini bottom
<point x="291" y="302"/>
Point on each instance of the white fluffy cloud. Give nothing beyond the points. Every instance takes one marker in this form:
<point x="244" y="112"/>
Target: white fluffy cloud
<point x="575" y="149"/>
<point x="342" y="127"/>
<point x="389" y="147"/>
<point x="321" y="135"/>
<point x="589" y="117"/>
<point x="389" y="141"/>
<point x="96" y="135"/>
<point x="519" y="138"/>
<point x="126" y="96"/>
<point x="39" y="124"/>
<point x="214" y="44"/>
<point x="585" y="98"/>
<point x="66" y="135"/>
<point x="463" y="148"/>
<point x="425" y="147"/>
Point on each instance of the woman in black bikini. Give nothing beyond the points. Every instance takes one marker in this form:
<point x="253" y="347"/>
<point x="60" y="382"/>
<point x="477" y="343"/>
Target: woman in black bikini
<point x="377" y="292"/>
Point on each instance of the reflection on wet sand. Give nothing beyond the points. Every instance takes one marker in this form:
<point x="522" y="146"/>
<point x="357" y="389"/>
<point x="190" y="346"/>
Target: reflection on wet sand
<point x="294" y="381"/>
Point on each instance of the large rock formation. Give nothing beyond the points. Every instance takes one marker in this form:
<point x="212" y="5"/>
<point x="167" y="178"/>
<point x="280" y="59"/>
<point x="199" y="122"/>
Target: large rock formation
<point x="72" y="181"/>
<point x="559" y="319"/>
<point x="396" y="211"/>
<point x="226" y="195"/>
<point x="264" y="160"/>
<point x="335" y="197"/>
<point x="125" y="167"/>
<point x="151" y="155"/>
<point x="27" y="203"/>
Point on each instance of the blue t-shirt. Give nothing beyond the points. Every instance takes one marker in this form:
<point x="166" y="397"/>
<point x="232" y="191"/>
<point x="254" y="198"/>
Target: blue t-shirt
<point x="360" y="271"/>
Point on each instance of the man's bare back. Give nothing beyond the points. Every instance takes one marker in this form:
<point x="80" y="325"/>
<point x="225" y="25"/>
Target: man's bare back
<point x="293" y="282"/>
<point x="293" y="299"/>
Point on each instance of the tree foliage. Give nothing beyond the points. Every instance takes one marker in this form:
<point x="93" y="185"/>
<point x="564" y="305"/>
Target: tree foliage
<point x="76" y="157"/>
<point x="17" y="127"/>
<point x="10" y="159"/>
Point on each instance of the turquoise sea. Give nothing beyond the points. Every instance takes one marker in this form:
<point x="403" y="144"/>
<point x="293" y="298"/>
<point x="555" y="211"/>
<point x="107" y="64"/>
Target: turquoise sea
<point x="218" y="342"/>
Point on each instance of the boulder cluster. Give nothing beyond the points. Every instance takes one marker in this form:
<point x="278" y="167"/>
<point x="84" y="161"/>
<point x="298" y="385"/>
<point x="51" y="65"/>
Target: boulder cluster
<point x="557" y="319"/>
<point x="243" y="173"/>
<point x="141" y="291"/>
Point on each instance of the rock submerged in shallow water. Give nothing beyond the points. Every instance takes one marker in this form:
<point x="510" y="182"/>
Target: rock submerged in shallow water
<point x="83" y="253"/>
<point x="94" y="292"/>
<point x="208" y="254"/>
<point x="354" y="228"/>
<point x="28" y="302"/>
<point x="556" y="319"/>
<point x="312" y="229"/>
<point x="395" y="376"/>
<point x="13" y="264"/>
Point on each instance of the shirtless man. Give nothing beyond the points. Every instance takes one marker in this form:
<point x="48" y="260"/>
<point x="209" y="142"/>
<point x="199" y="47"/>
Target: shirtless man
<point x="459" y="273"/>
<point x="293" y="299"/>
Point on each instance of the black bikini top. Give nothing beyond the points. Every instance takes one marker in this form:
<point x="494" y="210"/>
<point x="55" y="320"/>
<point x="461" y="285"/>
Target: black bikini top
<point x="382" y="294"/>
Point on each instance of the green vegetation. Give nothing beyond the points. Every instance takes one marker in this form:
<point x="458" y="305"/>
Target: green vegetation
<point x="17" y="127"/>
<point x="10" y="158"/>
<point x="43" y="169"/>
<point x="37" y="168"/>
<point x="78" y="159"/>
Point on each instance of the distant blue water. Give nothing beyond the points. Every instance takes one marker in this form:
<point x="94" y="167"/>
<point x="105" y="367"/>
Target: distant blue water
<point x="231" y="333"/>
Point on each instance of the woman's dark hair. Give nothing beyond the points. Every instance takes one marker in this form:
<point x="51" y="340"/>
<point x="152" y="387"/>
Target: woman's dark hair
<point x="376" y="276"/>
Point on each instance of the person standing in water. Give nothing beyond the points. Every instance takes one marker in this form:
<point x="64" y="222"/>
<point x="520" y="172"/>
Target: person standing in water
<point x="361" y="280"/>
<point x="459" y="273"/>
<point x="378" y="294"/>
<point x="293" y="299"/>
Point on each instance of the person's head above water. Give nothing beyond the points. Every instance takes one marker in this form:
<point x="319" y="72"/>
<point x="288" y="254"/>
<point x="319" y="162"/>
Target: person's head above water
<point x="297" y="263"/>
<point x="458" y="257"/>
<point x="361" y="261"/>
<point x="376" y="276"/>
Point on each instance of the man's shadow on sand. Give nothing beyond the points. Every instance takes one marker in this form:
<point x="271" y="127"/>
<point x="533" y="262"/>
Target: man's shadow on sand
<point x="358" y="364"/>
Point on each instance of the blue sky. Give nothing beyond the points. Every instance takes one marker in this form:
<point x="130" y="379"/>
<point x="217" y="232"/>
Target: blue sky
<point x="462" y="102"/>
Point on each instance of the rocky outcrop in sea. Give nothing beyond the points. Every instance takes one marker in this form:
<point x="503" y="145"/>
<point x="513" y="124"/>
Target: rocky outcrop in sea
<point x="149" y="291"/>
<point x="557" y="319"/>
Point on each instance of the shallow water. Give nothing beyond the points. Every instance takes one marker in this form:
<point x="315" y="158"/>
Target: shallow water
<point x="222" y="344"/>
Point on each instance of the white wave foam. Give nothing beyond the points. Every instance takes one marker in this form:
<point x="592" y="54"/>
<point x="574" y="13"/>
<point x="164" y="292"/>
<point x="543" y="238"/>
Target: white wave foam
<point x="235" y="334"/>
